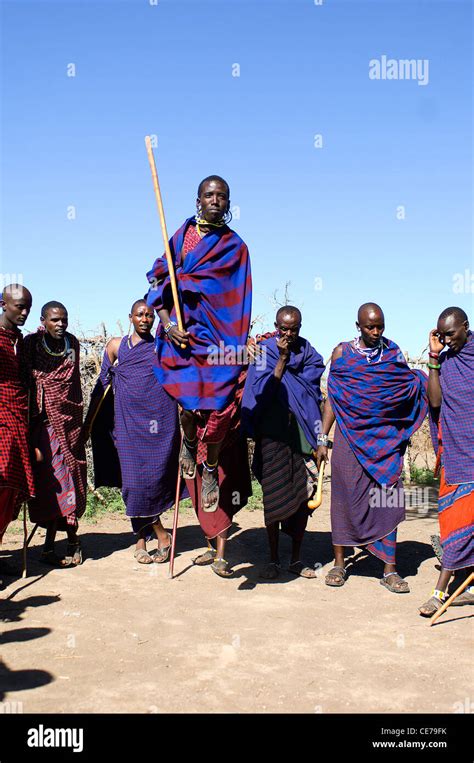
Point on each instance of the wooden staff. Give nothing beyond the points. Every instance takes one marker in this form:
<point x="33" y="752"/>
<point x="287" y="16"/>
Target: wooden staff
<point x="446" y="604"/>
<point x="159" y="201"/>
<point x="317" y="500"/>
<point x="175" y="519"/>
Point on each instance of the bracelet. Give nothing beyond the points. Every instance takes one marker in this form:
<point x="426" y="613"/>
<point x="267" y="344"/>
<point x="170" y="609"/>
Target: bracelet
<point x="323" y="439"/>
<point x="434" y="355"/>
<point x="169" y="326"/>
<point x="434" y="367"/>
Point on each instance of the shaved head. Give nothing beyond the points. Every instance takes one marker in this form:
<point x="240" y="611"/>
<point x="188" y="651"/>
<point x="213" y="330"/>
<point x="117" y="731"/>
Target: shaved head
<point x="456" y="312"/>
<point x="289" y="310"/>
<point x="369" y="309"/>
<point x="16" y="291"/>
<point x="16" y="304"/>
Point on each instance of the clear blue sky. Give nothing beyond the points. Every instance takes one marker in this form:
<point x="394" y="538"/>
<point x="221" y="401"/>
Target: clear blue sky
<point x="305" y="212"/>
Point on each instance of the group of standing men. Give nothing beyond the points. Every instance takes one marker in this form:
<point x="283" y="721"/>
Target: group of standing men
<point x="166" y="404"/>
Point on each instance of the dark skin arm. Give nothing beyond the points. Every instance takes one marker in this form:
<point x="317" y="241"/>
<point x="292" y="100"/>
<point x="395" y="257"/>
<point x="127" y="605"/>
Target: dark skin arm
<point x="434" y="386"/>
<point x="284" y="350"/>
<point x="111" y="349"/>
<point x="328" y="417"/>
<point x="177" y="337"/>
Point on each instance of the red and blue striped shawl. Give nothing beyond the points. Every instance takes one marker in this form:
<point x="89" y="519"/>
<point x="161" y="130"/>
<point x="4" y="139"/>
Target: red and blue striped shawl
<point x="457" y="413"/>
<point x="215" y="287"/>
<point x="378" y="406"/>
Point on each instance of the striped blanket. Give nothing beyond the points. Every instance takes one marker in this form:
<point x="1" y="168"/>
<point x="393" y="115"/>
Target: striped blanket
<point x="457" y="413"/>
<point x="378" y="406"/>
<point x="215" y="287"/>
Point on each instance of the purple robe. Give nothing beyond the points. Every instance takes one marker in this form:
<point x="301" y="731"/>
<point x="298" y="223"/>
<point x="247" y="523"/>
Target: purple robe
<point x="146" y="431"/>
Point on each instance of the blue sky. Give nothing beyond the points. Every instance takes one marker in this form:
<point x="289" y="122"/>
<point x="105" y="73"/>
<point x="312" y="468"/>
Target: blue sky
<point x="306" y="213"/>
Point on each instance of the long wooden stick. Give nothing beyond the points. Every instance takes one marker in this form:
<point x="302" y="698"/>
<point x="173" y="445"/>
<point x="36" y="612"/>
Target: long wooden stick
<point x="159" y="202"/>
<point x="317" y="500"/>
<point x="446" y="604"/>
<point x="25" y="541"/>
<point x="175" y="521"/>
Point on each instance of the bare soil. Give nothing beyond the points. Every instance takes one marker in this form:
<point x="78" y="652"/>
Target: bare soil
<point x="116" y="636"/>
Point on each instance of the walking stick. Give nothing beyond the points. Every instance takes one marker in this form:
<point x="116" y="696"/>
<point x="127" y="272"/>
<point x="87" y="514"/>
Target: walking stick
<point x="25" y="541"/>
<point x="317" y="500"/>
<point x="159" y="201"/>
<point x="446" y="604"/>
<point x="175" y="522"/>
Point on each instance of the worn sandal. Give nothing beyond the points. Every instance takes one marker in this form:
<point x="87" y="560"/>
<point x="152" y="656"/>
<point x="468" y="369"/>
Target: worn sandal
<point x="338" y="575"/>
<point x="187" y="458"/>
<point x="210" y="487"/>
<point x="432" y="605"/>
<point x="206" y="558"/>
<point x="221" y="568"/>
<point x="51" y="557"/>
<point x="162" y="555"/>
<point x="397" y="586"/>
<point x="271" y="571"/>
<point x="142" y="556"/>
<point x="302" y="570"/>
<point x="74" y="553"/>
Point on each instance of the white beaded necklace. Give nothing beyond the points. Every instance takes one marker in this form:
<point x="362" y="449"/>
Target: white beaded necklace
<point x="370" y="353"/>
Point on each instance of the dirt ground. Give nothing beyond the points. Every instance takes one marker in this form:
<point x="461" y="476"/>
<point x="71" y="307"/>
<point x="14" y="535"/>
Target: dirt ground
<point x="115" y="636"/>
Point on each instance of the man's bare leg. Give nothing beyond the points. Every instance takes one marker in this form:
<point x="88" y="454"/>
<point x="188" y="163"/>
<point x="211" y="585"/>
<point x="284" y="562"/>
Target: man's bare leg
<point x="272" y="570"/>
<point x="210" y="478"/>
<point x="188" y="453"/>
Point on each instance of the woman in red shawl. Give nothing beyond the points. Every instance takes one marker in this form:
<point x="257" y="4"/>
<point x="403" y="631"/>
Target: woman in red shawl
<point x="52" y="358"/>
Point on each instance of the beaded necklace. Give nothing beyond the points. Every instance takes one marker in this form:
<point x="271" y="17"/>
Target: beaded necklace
<point x="370" y="353"/>
<point x="56" y="354"/>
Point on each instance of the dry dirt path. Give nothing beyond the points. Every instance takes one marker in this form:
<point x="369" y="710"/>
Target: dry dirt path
<point x="115" y="636"/>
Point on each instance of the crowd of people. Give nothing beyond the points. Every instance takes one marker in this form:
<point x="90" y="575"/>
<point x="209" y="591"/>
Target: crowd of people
<point x="166" y="416"/>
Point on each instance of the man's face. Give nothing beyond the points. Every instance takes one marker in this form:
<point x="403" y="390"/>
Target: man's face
<point x="214" y="200"/>
<point x="142" y="318"/>
<point x="453" y="332"/>
<point x="372" y="326"/>
<point x="55" y="322"/>
<point x="288" y="325"/>
<point x="17" y="306"/>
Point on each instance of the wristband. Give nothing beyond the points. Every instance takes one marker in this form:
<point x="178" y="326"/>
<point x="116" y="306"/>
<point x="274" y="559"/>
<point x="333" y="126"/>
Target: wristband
<point x="169" y="326"/>
<point x="323" y="439"/>
<point x="434" y="367"/>
<point x="434" y="355"/>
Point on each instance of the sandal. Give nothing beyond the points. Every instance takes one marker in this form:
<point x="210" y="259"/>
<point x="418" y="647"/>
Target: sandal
<point x="431" y="606"/>
<point x="142" y="556"/>
<point x="221" y="567"/>
<point x="466" y="597"/>
<point x="271" y="571"/>
<point x="397" y="586"/>
<point x="50" y="557"/>
<point x="187" y="458"/>
<point x="162" y="554"/>
<point x="338" y="575"/>
<point x="74" y="553"/>
<point x="301" y="570"/>
<point x="210" y="487"/>
<point x="206" y="558"/>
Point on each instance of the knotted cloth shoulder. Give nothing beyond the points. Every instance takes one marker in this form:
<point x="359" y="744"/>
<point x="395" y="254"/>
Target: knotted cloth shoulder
<point x="378" y="406"/>
<point x="215" y="287"/>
